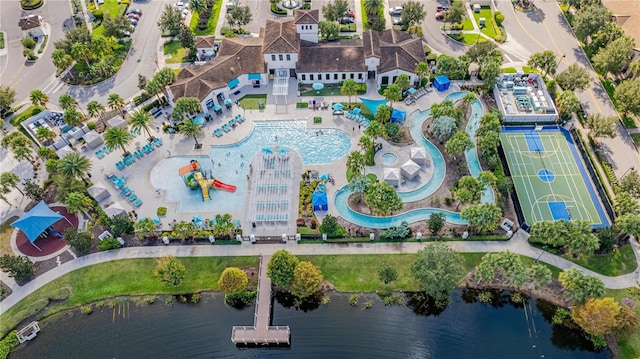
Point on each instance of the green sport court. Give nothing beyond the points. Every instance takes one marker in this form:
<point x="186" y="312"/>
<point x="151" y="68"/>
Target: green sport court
<point x="549" y="176"/>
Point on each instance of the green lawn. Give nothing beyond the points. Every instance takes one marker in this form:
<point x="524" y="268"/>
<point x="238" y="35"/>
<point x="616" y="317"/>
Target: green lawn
<point x="611" y="89"/>
<point x="489" y="27"/>
<point x="113" y="9"/>
<point x="468" y="39"/>
<point x="326" y="91"/>
<point x="123" y="277"/>
<point x="629" y="122"/>
<point x="636" y="138"/>
<point x="249" y="102"/>
<point x="530" y="70"/>
<point x="619" y="262"/>
<point x="26" y="114"/>
<point x="467" y="25"/>
<point x="508" y="70"/>
<point x="211" y="24"/>
<point x="1" y="40"/>
<point x="177" y="52"/>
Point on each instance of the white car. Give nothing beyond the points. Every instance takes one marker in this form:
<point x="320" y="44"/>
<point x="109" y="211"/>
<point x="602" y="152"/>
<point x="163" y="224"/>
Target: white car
<point x="395" y="11"/>
<point x="181" y="5"/>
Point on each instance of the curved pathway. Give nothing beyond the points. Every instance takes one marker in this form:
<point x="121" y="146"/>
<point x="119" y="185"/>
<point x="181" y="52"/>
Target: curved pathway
<point x="439" y="165"/>
<point x="517" y="244"/>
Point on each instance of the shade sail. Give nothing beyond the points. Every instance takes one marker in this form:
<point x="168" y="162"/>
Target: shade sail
<point x="398" y="115"/>
<point x="254" y="76"/>
<point x="233" y="83"/>
<point x="34" y="222"/>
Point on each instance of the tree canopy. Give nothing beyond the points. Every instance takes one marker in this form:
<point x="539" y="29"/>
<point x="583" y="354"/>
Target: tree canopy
<point x="232" y="280"/>
<point x="482" y="217"/>
<point x="438" y="269"/>
<point x="281" y="268"/>
<point x="574" y="78"/>
<point x="579" y="287"/>
<point x="626" y="94"/>
<point x="307" y="279"/>
<point x="170" y="271"/>
<point x="382" y="198"/>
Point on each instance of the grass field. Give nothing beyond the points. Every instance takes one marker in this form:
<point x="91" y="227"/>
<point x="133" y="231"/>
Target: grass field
<point x="618" y="262"/>
<point x="549" y="180"/>
<point x="249" y="102"/>
<point x="177" y="52"/>
<point x="211" y="24"/>
<point x="489" y="27"/>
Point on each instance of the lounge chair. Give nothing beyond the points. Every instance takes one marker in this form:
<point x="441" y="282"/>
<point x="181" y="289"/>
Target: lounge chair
<point x="226" y="128"/>
<point x="120" y="165"/>
<point x="109" y="175"/>
<point x="99" y="154"/>
<point x="157" y="142"/>
<point x="137" y="203"/>
<point x="126" y="191"/>
<point x="132" y="197"/>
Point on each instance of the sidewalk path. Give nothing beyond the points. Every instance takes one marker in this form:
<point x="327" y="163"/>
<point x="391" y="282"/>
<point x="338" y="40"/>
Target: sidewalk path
<point x="517" y="244"/>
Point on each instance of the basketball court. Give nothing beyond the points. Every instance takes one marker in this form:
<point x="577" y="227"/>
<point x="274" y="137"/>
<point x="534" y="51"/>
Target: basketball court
<point x="549" y="176"/>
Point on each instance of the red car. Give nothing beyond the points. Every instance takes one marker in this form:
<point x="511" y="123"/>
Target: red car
<point x="133" y="16"/>
<point x="440" y="14"/>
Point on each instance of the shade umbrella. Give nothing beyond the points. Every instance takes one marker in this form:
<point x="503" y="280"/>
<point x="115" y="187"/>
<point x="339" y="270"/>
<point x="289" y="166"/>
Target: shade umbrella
<point x="199" y="121"/>
<point x="337" y="106"/>
<point x="411" y="90"/>
<point x="227" y="102"/>
<point x="317" y="86"/>
<point x="267" y="151"/>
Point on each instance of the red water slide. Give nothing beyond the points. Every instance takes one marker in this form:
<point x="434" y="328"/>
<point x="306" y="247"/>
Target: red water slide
<point x="223" y="186"/>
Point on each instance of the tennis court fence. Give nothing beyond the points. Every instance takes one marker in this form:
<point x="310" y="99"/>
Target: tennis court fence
<point x="514" y="196"/>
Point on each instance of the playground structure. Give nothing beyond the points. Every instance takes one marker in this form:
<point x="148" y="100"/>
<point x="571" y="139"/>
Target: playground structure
<point x="194" y="178"/>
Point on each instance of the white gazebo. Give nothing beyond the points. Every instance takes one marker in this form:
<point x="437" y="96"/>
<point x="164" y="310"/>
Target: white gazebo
<point x="99" y="192"/>
<point x="115" y="209"/>
<point x="392" y="176"/>
<point x="419" y="155"/>
<point x="410" y="169"/>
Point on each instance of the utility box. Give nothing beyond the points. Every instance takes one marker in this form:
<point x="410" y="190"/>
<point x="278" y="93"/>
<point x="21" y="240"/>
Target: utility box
<point x="476" y="8"/>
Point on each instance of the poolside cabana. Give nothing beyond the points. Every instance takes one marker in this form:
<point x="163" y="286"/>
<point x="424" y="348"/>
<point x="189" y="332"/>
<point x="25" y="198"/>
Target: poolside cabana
<point x="92" y="139"/>
<point x="99" y="192"/>
<point x="118" y="121"/>
<point x="398" y="116"/>
<point x="441" y="83"/>
<point x="36" y="221"/>
<point x="410" y="170"/>
<point x="64" y="151"/>
<point x="319" y="201"/>
<point x="419" y="155"/>
<point x="115" y="209"/>
<point x="392" y="176"/>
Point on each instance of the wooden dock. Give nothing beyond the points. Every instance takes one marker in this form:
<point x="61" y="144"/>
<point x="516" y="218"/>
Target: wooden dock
<point x="261" y="333"/>
<point x="29" y="332"/>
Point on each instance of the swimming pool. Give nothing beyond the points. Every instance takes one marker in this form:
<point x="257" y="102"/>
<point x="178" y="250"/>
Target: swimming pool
<point x="438" y="163"/>
<point x="230" y="163"/>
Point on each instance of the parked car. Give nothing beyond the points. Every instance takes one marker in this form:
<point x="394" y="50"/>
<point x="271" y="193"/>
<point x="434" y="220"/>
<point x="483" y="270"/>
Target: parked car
<point x="135" y="11"/>
<point x="347" y="20"/>
<point x="397" y="21"/>
<point x="349" y="13"/>
<point x="442" y="8"/>
<point x="181" y="5"/>
<point x="395" y="11"/>
<point x="440" y="14"/>
<point x="134" y="22"/>
<point x="133" y="16"/>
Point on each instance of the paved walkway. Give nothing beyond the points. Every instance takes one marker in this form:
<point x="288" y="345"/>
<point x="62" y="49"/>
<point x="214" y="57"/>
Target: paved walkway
<point x="517" y="244"/>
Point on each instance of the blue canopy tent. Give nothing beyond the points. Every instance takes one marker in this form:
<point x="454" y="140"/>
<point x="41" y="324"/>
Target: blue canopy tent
<point x="319" y="201"/>
<point x="398" y="115"/>
<point x="441" y="83"/>
<point x="36" y="221"/>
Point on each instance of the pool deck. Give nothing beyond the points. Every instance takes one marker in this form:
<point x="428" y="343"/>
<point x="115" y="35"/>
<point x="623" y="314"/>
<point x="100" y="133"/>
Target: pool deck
<point x="138" y="175"/>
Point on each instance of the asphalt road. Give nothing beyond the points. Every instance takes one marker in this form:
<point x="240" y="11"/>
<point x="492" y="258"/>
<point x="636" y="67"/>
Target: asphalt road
<point x="14" y="72"/>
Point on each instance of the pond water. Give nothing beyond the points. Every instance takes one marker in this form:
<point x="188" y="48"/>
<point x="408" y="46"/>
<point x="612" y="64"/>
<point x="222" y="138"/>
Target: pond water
<point x="466" y="329"/>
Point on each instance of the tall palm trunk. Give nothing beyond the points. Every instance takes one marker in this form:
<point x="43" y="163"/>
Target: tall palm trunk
<point x="194" y="137"/>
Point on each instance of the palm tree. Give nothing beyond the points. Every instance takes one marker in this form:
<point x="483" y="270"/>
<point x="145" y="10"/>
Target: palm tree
<point x="468" y="99"/>
<point x="365" y="143"/>
<point x="371" y="6"/>
<point x="376" y="130"/>
<point x="117" y="137"/>
<point x="423" y="71"/>
<point x="77" y="202"/>
<point x="392" y="93"/>
<point x="349" y="88"/>
<point x="356" y="162"/>
<point x="403" y="81"/>
<point x="96" y="110"/>
<point x="190" y="129"/>
<point x="61" y="60"/>
<point x="184" y="106"/>
<point x="115" y="102"/>
<point x="74" y="165"/>
<point x="198" y="6"/>
<point x="46" y="153"/>
<point x="81" y="52"/>
<point x="10" y="180"/>
<point x="100" y="46"/>
<point x="72" y="117"/>
<point x="154" y="87"/>
<point x="44" y="134"/>
<point x="39" y="98"/>
<point x="142" y="120"/>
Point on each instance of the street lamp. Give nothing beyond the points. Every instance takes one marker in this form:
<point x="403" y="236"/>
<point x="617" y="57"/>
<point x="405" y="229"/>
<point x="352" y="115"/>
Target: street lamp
<point x="544" y="248"/>
<point x="156" y="61"/>
<point x="559" y="61"/>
